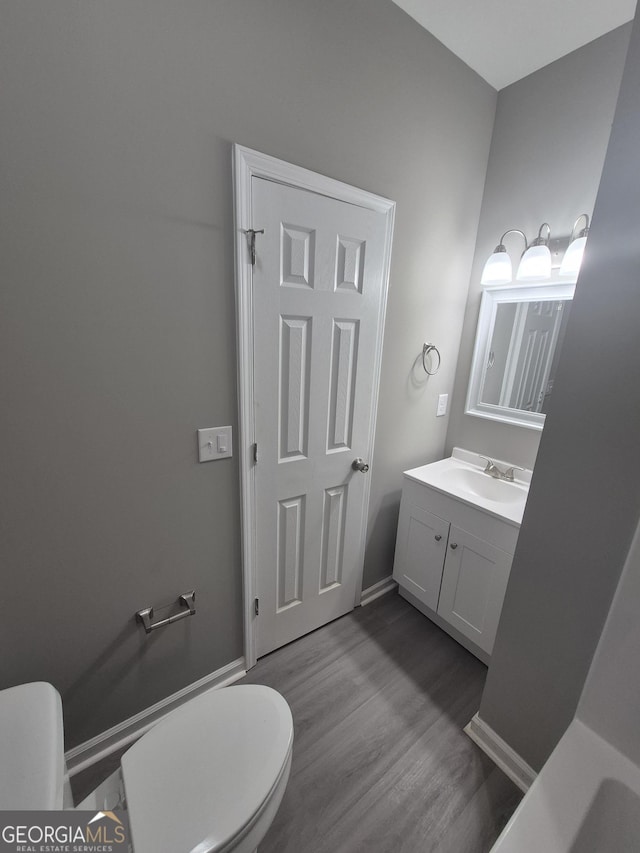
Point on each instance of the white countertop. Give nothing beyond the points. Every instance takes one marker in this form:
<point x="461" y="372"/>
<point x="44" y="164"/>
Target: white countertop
<point x="462" y="477"/>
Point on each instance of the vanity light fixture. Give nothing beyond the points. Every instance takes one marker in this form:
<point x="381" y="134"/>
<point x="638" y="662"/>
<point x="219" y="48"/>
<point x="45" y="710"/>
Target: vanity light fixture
<point x="536" y="261"/>
<point x="498" y="269"/>
<point x="573" y="256"/>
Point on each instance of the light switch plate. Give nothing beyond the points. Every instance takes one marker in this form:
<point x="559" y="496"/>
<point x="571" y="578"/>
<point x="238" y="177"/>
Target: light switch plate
<point x="442" y="405"/>
<point x="215" y="443"/>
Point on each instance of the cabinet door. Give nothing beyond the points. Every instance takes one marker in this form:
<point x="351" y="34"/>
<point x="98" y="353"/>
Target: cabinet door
<point x="473" y="586"/>
<point x="420" y="552"/>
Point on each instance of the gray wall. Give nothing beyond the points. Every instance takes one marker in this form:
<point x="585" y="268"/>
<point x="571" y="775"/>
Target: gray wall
<point x="584" y="502"/>
<point x="610" y="702"/>
<point x="548" y="147"/>
<point x="117" y="328"/>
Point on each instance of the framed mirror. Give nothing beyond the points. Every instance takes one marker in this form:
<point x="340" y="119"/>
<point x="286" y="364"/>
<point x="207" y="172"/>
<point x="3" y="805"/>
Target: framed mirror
<point x="518" y="341"/>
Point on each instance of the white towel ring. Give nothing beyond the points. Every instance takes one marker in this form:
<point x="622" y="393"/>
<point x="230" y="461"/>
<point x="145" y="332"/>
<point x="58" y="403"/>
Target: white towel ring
<point x="426" y="349"/>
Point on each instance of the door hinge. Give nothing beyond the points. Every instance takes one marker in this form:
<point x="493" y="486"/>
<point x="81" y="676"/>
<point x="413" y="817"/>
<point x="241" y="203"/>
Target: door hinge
<point x="251" y="239"/>
<point x="255" y="453"/>
<point x="256" y="606"/>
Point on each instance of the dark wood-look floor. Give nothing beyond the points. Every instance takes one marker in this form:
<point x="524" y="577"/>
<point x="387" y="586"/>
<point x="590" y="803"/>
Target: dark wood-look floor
<point x="380" y="762"/>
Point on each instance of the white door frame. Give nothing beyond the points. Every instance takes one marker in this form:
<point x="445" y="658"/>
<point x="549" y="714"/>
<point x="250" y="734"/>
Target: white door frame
<point x="248" y="164"/>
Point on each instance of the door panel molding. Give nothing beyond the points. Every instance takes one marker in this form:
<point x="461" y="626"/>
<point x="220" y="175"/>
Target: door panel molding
<point x="248" y="164"/>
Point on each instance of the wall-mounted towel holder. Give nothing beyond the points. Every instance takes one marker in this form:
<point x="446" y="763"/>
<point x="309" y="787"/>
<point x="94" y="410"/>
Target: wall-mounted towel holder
<point x="187" y="599"/>
<point x="427" y="349"/>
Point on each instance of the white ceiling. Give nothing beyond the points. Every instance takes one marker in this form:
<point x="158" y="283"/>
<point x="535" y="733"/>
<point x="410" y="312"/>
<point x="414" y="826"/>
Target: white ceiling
<point x="504" y="40"/>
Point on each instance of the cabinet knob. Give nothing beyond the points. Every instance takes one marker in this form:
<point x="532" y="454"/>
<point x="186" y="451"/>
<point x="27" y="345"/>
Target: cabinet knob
<point x="454" y="545"/>
<point x="438" y="537"/>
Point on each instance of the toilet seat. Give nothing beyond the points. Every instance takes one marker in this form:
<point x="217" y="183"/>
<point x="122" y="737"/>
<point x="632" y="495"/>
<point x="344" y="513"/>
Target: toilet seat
<point x="210" y="772"/>
<point x="31" y="748"/>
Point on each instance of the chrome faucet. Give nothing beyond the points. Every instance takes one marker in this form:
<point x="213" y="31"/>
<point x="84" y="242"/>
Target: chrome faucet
<point x="497" y="473"/>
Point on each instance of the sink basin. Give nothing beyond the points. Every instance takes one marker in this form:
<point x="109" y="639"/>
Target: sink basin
<point x="482" y="485"/>
<point x="462" y="476"/>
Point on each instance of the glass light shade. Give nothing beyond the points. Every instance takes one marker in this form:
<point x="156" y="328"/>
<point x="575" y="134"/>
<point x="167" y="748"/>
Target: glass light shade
<point x="573" y="257"/>
<point x="535" y="264"/>
<point x="498" y="269"/>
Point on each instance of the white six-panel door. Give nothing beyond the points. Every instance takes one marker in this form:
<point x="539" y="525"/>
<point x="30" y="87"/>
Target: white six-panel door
<point x="318" y="288"/>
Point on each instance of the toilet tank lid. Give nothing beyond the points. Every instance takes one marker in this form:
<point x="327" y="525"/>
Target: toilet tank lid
<point x="31" y="747"/>
<point x="202" y="774"/>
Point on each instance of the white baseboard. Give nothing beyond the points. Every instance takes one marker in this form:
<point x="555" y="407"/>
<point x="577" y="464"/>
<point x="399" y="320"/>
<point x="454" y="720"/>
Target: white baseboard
<point x="499" y="751"/>
<point x="102" y="745"/>
<point x="381" y="588"/>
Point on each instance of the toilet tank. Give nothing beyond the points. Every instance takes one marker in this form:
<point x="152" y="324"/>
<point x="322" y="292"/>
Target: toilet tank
<point x="31" y="747"/>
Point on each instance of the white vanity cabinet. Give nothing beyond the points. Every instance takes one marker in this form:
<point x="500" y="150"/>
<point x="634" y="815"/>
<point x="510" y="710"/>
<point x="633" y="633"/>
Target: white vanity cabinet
<point x="421" y="548"/>
<point x="452" y="562"/>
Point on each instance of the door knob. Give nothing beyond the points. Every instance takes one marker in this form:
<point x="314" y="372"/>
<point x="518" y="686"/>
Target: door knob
<point x="359" y="464"/>
<point x="438" y="537"/>
<point x="454" y="545"/>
